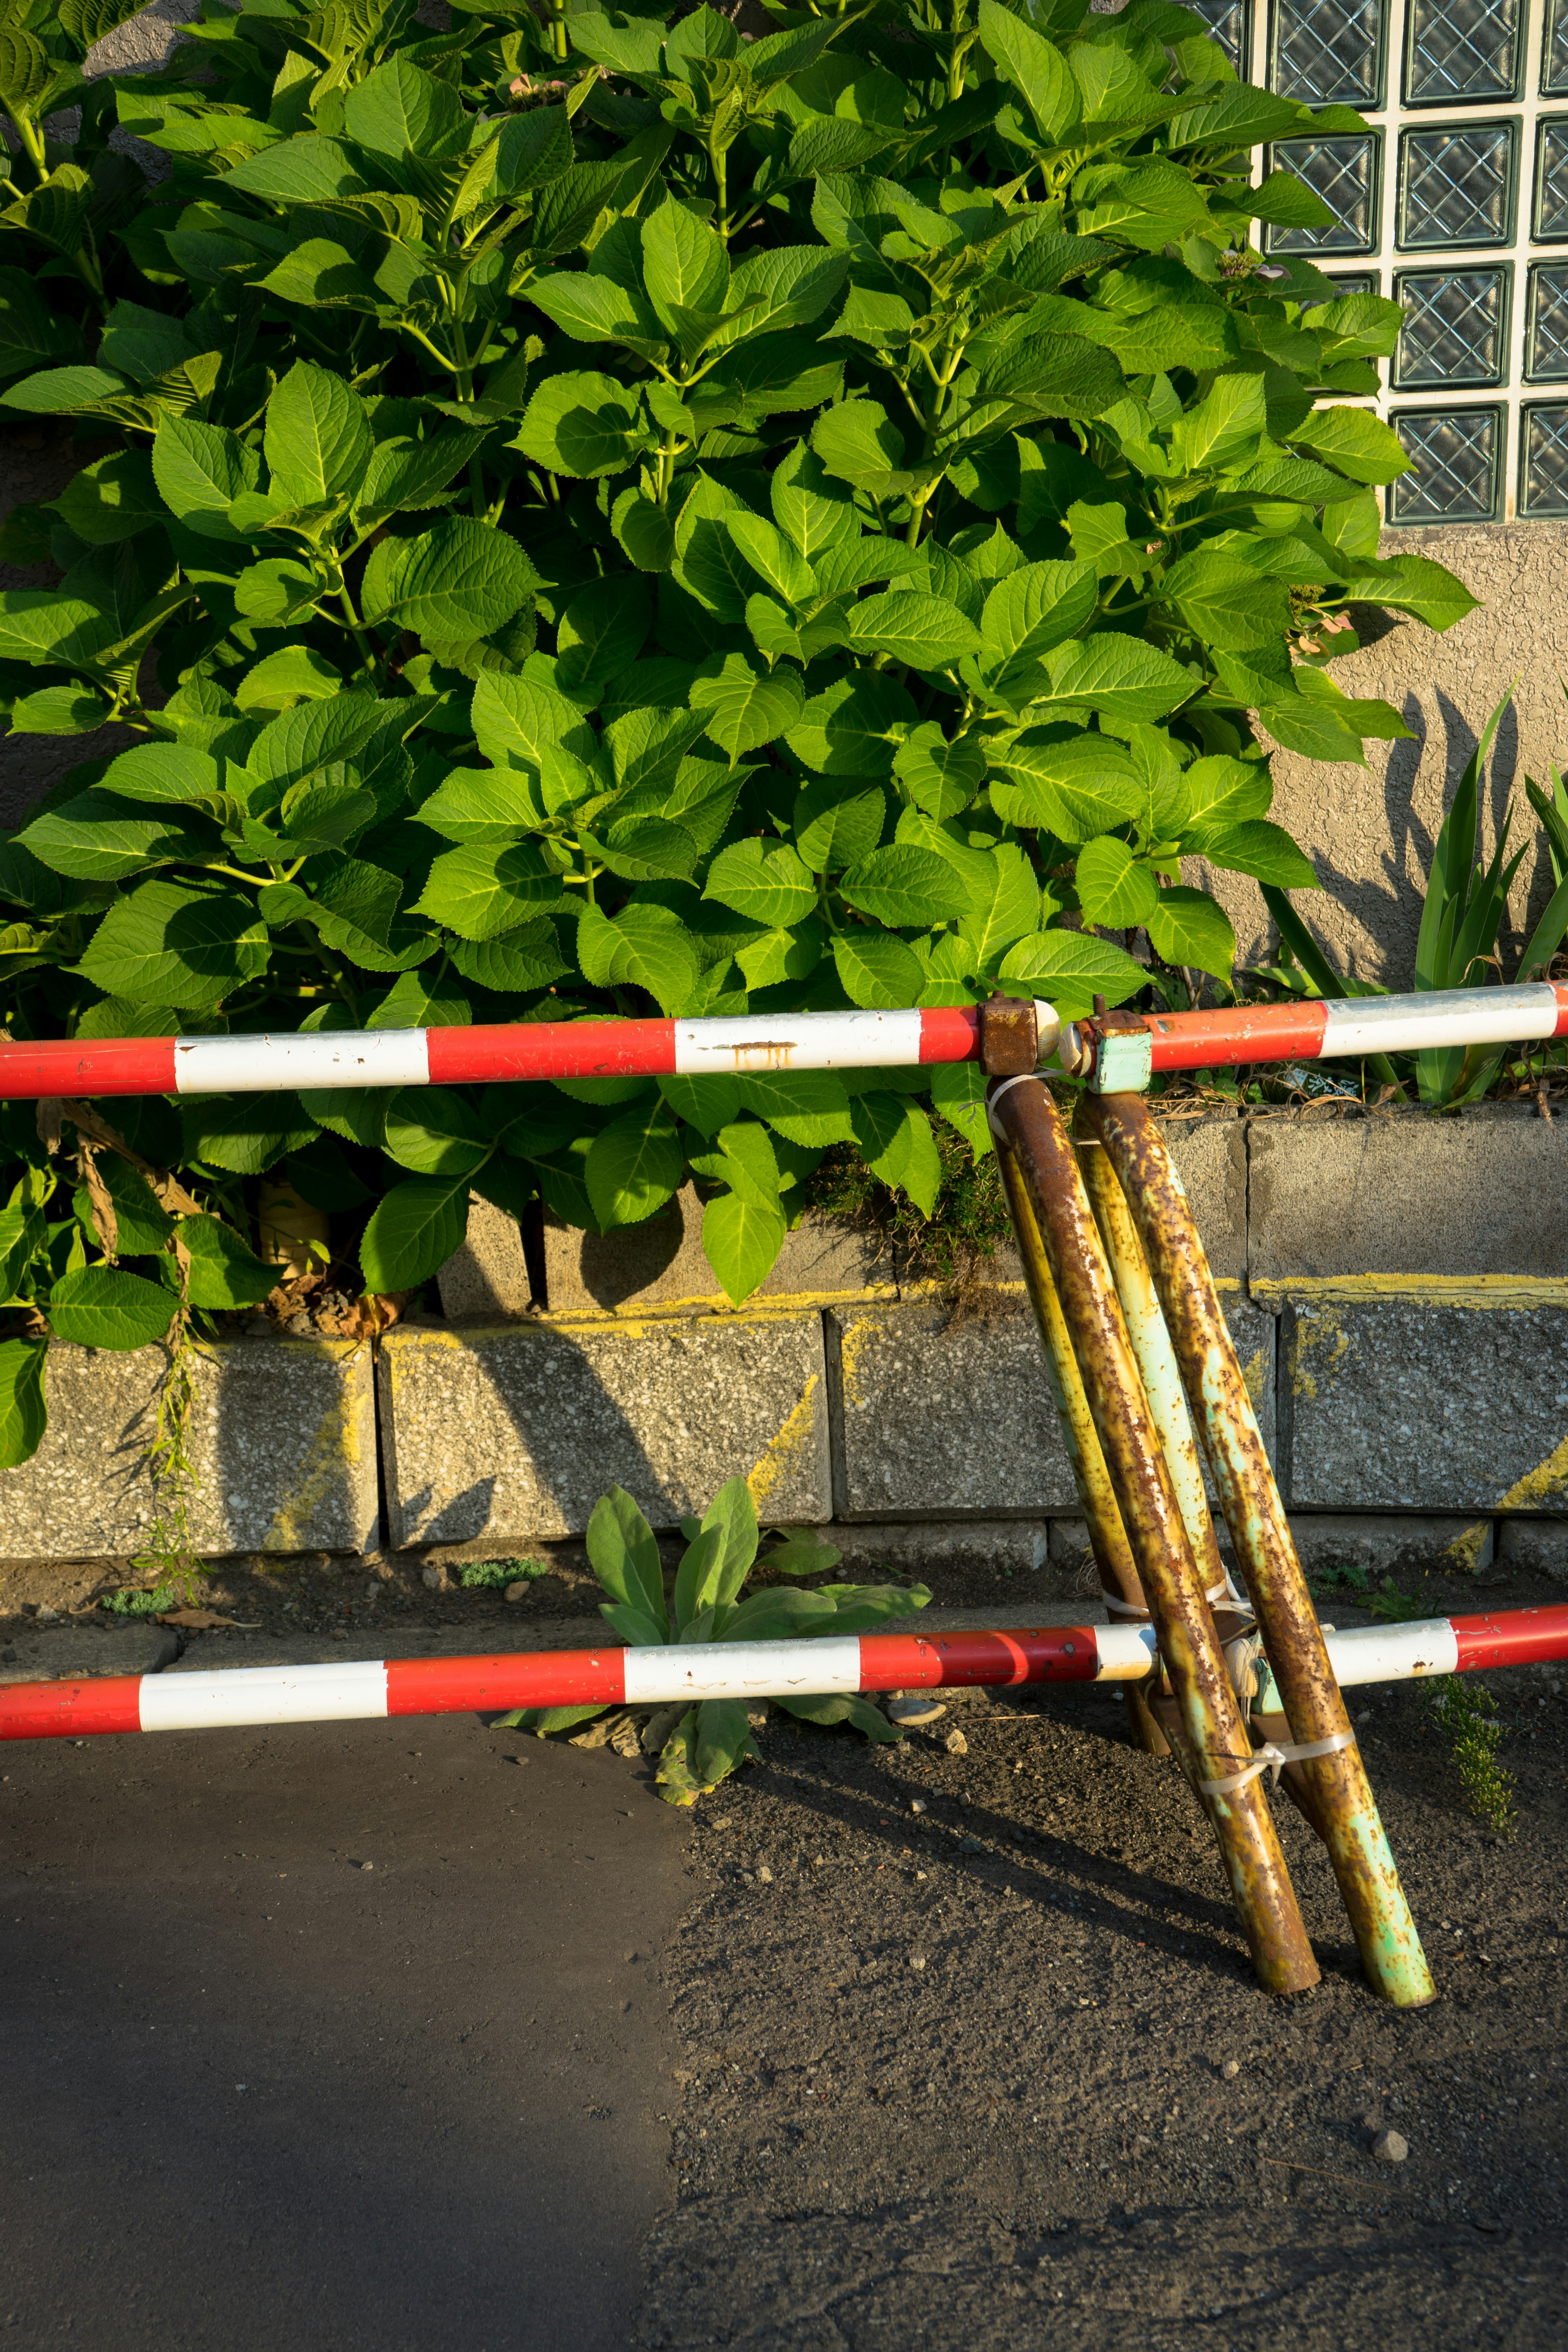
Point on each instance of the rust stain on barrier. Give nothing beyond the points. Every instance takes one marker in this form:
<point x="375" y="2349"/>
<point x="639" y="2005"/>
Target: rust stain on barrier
<point x="1024" y="1113"/>
<point x="1385" y="1931"/>
<point x="764" y="1054"/>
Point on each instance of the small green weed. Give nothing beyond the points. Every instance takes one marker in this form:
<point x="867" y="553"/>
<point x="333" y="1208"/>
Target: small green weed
<point x="1384" y="1600"/>
<point x="140" y="1604"/>
<point x="1466" y="1711"/>
<point x="968" y="1221"/>
<point x="491" y="1575"/>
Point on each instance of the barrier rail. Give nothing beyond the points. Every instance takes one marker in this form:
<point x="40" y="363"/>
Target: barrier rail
<point x="1315" y="1030"/>
<point x="1015" y="1658"/>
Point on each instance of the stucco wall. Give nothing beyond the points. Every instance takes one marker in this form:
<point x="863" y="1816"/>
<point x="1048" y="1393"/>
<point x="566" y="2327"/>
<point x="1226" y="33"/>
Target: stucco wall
<point x="1370" y="831"/>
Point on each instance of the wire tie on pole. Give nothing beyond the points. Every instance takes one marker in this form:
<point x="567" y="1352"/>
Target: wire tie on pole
<point x="1021" y="1080"/>
<point x="1138" y="1608"/>
<point x="1269" y="1758"/>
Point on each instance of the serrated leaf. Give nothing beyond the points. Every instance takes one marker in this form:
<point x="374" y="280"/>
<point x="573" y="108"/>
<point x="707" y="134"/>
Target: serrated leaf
<point x="742" y="709"/>
<point x="1187" y="926"/>
<point x="902" y="885"/>
<point x="876" y="970"/>
<point x="1069" y="970"/>
<point x="1115" y="888"/>
<point x="482" y="891"/>
<point x="634" y="1166"/>
<point x="459" y="581"/>
<point x="167" y="944"/>
<point x="771" y="886"/>
<point x="740" y="1241"/>
<point x="24" y="1416"/>
<point x="413" y="1231"/>
<point x="103" y="1306"/>
<point x="581" y="425"/>
<point x="910" y="625"/>
<point x="223" y="1271"/>
<point x="317" y="437"/>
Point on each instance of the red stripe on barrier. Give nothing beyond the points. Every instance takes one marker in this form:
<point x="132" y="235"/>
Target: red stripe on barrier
<point x="537" y="1678"/>
<point x="1049" y="1654"/>
<point x="70" y="1710"/>
<point x="1562" y="1028"/>
<point x="1512" y="1637"/>
<point x="950" y="1032"/>
<point x="552" y="1049"/>
<point x="87" y="1066"/>
<point x="1242" y="1033"/>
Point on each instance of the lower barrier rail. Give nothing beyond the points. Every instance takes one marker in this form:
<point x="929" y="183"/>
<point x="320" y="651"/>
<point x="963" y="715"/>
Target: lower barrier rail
<point x="374" y="1688"/>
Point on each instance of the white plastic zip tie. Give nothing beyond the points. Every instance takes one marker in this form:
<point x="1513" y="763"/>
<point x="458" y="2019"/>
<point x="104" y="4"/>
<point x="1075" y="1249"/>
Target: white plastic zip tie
<point x="1270" y="1758"/>
<point x="1134" y="1609"/>
<point x="1022" y="1079"/>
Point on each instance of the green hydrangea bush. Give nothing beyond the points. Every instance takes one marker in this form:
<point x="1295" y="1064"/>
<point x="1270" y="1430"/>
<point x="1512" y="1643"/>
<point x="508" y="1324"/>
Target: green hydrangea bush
<point x="596" y="516"/>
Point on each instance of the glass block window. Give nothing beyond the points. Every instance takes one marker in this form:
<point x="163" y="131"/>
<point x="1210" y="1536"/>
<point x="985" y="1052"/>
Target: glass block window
<point x="1455" y="185"/>
<point x="1454" y="455"/>
<point x="1456" y="327"/>
<point x="1453" y="199"/>
<point x="1555" y="51"/>
<point x="1543" y="461"/>
<point x="1546" y="330"/>
<point x="1343" y="172"/>
<point x="1551" y="219"/>
<point x="1456" y="50"/>
<point x="1227" y="22"/>
<point x="1329" y="52"/>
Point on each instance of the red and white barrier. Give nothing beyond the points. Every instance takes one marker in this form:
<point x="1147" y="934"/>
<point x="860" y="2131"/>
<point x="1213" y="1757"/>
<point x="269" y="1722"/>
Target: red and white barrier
<point x="1320" y="1028"/>
<point x="375" y="1689"/>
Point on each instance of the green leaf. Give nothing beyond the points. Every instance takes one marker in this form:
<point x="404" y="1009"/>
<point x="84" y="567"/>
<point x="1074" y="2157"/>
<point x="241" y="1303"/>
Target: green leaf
<point x="939" y="777"/>
<point x="592" y="309"/>
<point x="742" y="710"/>
<point x="601" y="633"/>
<point x="641" y="946"/>
<point x="223" y="1271"/>
<point x="517" y="720"/>
<point x="247" y="1135"/>
<point x="877" y="970"/>
<point x="958" y="1093"/>
<point x="102" y="1307"/>
<point x="624" y="1553"/>
<point x="685" y="266"/>
<point x="113" y="500"/>
<point x="910" y="625"/>
<point x="1355" y="441"/>
<point x="459" y="581"/>
<point x="634" y="1166"/>
<point x="141" y="1222"/>
<point x="1030" y="613"/>
<point x="200" y="470"/>
<point x="24" y="1416"/>
<point x="902" y="885"/>
<point x="838" y="821"/>
<point x="482" y="891"/>
<point x="810" y="1107"/>
<point x="895" y="1141"/>
<point x="413" y="1231"/>
<point x="1118" y="677"/>
<point x="1070" y="968"/>
<point x="1225" y="603"/>
<point x="1035" y="67"/>
<point x="583" y="425"/>
<point x="740" y="1241"/>
<point x="301" y="171"/>
<point x="1256" y="847"/>
<point x="320" y="274"/>
<point x="95" y="838"/>
<point x="317" y="437"/>
<point x="1114" y="887"/>
<point x="771" y="886"/>
<point x="1188" y="927"/>
<point x="853" y="727"/>
<point x="434" y="1132"/>
<point x="399" y="111"/>
<point x="168" y="944"/>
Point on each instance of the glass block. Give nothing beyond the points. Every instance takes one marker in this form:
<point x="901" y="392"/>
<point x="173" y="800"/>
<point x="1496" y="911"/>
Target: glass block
<point x="1552" y="179"/>
<point x="1456" y="185"/>
<point x="1356" y="281"/>
<point x="1227" y="21"/>
<point x="1452" y="474"/>
<point x="1327" y="51"/>
<point x="1555" y="51"/>
<point x="1462" y="50"/>
<point x="1543" y="461"/>
<point x="1345" y="173"/>
<point x="1546" y="332"/>
<point x="1456" y="327"/>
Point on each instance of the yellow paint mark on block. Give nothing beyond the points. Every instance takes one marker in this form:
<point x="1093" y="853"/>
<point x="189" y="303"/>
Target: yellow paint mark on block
<point x="1253" y="1375"/>
<point x="1464" y="1553"/>
<point x="796" y="1436"/>
<point x="1537" y="1486"/>
<point x="853" y="1342"/>
<point x="1317" y="1347"/>
<point x="334" y="1451"/>
<point x="1476" y="1290"/>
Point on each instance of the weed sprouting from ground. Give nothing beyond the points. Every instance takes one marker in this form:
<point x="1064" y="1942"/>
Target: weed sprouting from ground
<point x="1467" y="1712"/>
<point x="131" y="1603"/>
<point x="491" y="1575"/>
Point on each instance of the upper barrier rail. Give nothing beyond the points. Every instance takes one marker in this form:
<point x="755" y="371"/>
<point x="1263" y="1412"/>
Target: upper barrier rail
<point x="1317" y="1030"/>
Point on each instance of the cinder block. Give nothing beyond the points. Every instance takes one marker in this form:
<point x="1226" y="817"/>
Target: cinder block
<point x="1538" y="1547"/>
<point x="83" y="1652"/>
<point x="660" y="1264"/>
<point x="516" y="1432"/>
<point x="939" y="1415"/>
<point x="1019" y="1546"/>
<point x="1400" y="1403"/>
<point x="486" y="1280"/>
<point x="1390" y="1544"/>
<point x="1210" y="1155"/>
<point x="1482" y="1194"/>
<point x="283" y="1443"/>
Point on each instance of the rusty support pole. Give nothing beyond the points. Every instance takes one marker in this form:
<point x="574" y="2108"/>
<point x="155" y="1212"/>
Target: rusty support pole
<point x="1385" y="1931"/>
<point x="1097" y="1498"/>
<point x="1023" y="1113"/>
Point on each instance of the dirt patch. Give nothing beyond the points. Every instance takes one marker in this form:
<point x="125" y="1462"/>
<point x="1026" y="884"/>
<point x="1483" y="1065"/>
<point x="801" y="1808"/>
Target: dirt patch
<point x="958" y="2077"/>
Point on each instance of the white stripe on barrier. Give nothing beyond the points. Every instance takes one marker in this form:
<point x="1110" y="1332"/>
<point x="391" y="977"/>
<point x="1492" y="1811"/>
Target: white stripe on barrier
<point x="322" y="1058"/>
<point x="742" y="1670"/>
<point x="1440" y="1017"/>
<point x="1377" y="1653"/>
<point x="201" y="1702"/>
<point x="1126" y="1653"/>
<point x="834" y="1041"/>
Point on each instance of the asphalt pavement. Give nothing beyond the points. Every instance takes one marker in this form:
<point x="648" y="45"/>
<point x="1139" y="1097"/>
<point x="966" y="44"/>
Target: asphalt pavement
<point x="344" y="2036"/>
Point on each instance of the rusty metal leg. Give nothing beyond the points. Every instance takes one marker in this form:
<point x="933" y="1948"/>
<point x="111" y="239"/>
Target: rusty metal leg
<point x="1024" y="1115"/>
<point x="1385" y="1931"/>
<point x="1106" y="1536"/>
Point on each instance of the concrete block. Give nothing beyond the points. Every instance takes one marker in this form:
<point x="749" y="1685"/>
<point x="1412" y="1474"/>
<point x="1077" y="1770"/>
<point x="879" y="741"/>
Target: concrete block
<point x="1482" y="1194"/>
<point x="516" y="1432"/>
<point x="487" y="1281"/>
<point x="1390" y="1544"/>
<point x="1211" y="1159"/>
<point x="82" y="1653"/>
<point x="1538" y="1547"/>
<point x="660" y="1264"/>
<point x="1020" y="1546"/>
<point x="283" y="1443"/>
<point x="948" y="1417"/>
<point x="1401" y="1404"/>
